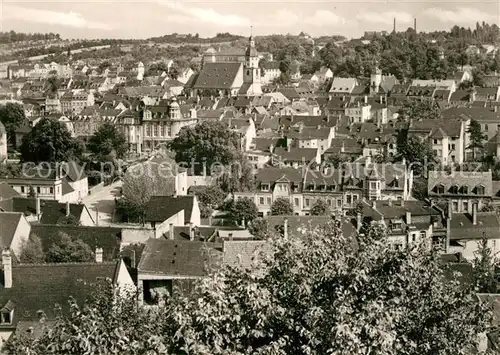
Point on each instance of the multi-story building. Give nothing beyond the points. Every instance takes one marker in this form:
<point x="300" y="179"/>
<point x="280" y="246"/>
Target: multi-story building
<point x="340" y="188"/>
<point x="163" y="123"/>
<point x="73" y="102"/>
<point x="406" y="222"/>
<point x="448" y="138"/>
<point x="462" y="189"/>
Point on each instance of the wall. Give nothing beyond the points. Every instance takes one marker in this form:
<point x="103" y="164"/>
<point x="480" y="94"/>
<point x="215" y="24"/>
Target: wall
<point x="86" y="218"/>
<point x="195" y="213"/>
<point x="199" y="180"/>
<point x="20" y="236"/>
<point x="81" y="187"/>
<point x="471" y="246"/>
<point x="136" y="235"/>
<point x="124" y="280"/>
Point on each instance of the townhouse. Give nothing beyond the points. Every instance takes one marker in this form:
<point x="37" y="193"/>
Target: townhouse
<point x="73" y="102"/>
<point x="449" y="138"/>
<point x="341" y="188"/>
<point x="462" y="189"/>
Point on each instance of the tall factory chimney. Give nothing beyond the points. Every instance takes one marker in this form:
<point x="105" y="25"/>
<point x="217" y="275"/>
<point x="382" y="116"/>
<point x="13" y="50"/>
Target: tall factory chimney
<point x="415" y="24"/>
<point x="394" y="29"/>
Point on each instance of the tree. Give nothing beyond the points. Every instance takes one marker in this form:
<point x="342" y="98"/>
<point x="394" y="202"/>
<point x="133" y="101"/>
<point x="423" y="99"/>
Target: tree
<point x="209" y="198"/>
<point x="12" y="116"/>
<point x="484" y="264"/>
<point x="417" y="154"/>
<point x="320" y="208"/>
<point x="32" y="251"/>
<point x="106" y="140"/>
<point x="259" y="228"/>
<point x="70" y="220"/>
<point x="281" y="207"/>
<point x="315" y="293"/>
<point x="31" y="192"/>
<point x="243" y="210"/>
<point x="206" y="143"/>
<point x="69" y="250"/>
<point x="477" y="137"/>
<point x="238" y="176"/>
<point x="50" y="141"/>
<point x="139" y="184"/>
<point x="418" y="110"/>
<point x="53" y="85"/>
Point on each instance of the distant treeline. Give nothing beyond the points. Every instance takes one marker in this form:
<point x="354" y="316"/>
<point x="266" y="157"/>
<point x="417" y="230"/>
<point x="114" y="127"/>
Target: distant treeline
<point x="12" y="37"/>
<point x="189" y="38"/>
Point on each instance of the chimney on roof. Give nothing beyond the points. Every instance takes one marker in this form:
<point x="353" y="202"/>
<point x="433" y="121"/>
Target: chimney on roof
<point x="366" y="99"/>
<point x="230" y="236"/>
<point x="450" y="210"/>
<point x="96" y="216"/>
<point x="98" y="255"/>
<point x="359" y="221"/>
<point x="67" y="209"/>
<point x="191" y="231"/>
<point x="38" y="208"/>
<point x="7" y="268"/>
<point x="495" y="108"/>
<point x="132" y="259"/>
<point x="408" y="217"/>
<point x="474" y="214"/>
<point x="285" y="227"/>
<point x="374" y="204"/>
<point x="288" y="147"/>
<point x="342" y="148"/>
<point x="171" y="231"/>
<point x="389" y="202"/>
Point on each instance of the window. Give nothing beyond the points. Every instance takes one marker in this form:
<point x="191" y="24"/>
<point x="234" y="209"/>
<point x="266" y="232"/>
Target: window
<point x="51" y="190"/>
<point x="465" y="206"/>
<point x="261" y="201"/>
<point x="423" y="234"/>
<point x="480" y="190"/>
<point x="268" y="200"/>
<point x="465" y="190"/>
<point x="307" y="201"/>
<point x="354" y="198"/>
<point x="348" y="199"/>
<point x="455" y="206"/>
<point x="38" y="189"/>
<point x="453" y="147"/>
<point x="435" y="141"/>
<point x="440" y="189"/>
<point x="265" y="187"/>
<point x="296" y="201"/>
<point x="339" y="203"/>
<point x="373" y="185"/>
<point x="485" y="127"/>
<point x="6" y="318"/>
<point x="22" y="189"/>
<point x="454" y="189"/>
<point x="148" y="130"/>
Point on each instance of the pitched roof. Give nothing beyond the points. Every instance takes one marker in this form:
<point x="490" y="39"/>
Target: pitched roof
<point x="107" y="238"/>
<point x="52" y="211"/>
<point x="470" y="179"/>
<point x="217" y="76"/>
<point x="8" y="222"/>
<point x="462" y="227"/>
<point x="7" y="192"/>
<point x="177" y="258"/>
<point x="476" y="113"/>
<point x="297" y="154"/>
<point x="160" y="208"/>
<point x="48" y="287"/>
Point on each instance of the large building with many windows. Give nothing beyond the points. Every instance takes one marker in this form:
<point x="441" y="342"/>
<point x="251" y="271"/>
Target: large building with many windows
<point x="341" y="189"/>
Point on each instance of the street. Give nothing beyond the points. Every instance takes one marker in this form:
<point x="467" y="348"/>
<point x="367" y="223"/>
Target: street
<point x="103" y="201"/>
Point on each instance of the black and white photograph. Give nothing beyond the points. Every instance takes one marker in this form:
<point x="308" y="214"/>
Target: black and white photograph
<point x="249" y="177"/>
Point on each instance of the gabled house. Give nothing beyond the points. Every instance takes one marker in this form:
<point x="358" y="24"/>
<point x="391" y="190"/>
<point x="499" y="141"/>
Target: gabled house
<point x="463" y="189"/>
<point x="161" y="211"/>
<point x="33" y="292"/>
<point x="342" y="86"/>
<point x="14" y="232"/>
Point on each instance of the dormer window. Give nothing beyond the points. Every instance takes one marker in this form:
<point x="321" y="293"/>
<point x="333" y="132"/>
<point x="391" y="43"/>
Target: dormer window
<point x="321" y="187"/>
<point x="465" y="190"/>
<point x="454" y="189"/>
<point x="310" y="187"/>
<point x="440" y="189"/>
<point x="264" y="187"/>
<point x="480" y="190"/>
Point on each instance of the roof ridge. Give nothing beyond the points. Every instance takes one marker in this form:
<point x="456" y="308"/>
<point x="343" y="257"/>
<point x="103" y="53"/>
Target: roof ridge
<point x="66" y="264"/>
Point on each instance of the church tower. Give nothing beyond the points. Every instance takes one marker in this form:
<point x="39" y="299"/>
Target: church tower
<point x="251" y="70"/>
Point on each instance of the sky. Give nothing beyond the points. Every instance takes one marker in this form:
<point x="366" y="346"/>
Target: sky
<point x="148" y="18"/>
